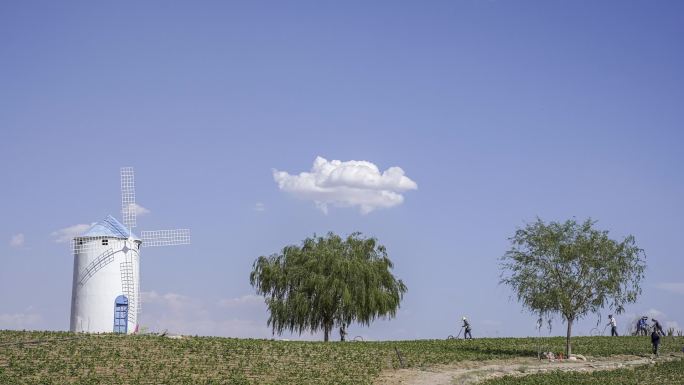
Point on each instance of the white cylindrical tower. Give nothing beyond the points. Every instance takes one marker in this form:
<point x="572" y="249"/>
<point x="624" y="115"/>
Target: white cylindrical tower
<point x="106" y="285"/>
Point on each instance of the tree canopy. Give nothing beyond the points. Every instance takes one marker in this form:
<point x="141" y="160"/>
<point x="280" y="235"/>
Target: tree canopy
<point x="572" y="269"/>
<point x="327" y="282"/>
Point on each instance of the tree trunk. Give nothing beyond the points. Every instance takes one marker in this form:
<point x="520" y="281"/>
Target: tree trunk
<point x="568" y="348"/>
<point x="327" y="329"/>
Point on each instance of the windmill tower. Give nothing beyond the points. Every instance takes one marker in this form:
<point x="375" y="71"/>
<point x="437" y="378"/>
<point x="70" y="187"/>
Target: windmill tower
<point x="105" y="293"/>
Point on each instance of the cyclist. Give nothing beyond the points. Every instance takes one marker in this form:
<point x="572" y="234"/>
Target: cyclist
<point x="642" y="327"/>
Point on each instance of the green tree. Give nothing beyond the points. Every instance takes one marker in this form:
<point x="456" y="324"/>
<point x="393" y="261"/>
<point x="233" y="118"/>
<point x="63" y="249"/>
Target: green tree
<point x="326" y="282"/>
<point x="572" y="269"/>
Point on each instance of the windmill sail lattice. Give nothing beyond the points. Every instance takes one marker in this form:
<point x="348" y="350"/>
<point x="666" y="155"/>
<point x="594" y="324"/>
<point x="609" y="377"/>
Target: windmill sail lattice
<point x="128" y="207"/>
<point x="129" y="287"/>
<point x="165" y="237"/>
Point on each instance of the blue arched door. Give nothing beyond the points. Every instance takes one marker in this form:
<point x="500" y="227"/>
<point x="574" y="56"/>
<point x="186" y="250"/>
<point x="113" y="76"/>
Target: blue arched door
<point x="121" y="314"/>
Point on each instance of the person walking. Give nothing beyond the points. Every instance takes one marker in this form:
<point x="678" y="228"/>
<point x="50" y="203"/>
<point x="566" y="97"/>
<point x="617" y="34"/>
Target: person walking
<point x="613" y="326"/>
<point x="343" y="332"/>
<point x="466" y="326"/>
<point x="655" y="340"/>
<point x="657" y="327"/>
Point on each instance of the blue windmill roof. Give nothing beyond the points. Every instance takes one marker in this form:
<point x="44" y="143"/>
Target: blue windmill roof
<point x="108" y="227"/>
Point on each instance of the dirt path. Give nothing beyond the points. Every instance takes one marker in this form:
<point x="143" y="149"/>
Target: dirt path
<point x="474" y="372"/>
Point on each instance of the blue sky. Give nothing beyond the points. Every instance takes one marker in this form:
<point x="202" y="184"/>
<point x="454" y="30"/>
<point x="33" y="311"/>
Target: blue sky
<point x="499" y="111"/>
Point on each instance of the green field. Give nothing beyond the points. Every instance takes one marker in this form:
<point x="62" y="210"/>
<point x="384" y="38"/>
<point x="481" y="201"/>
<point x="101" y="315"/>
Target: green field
<point x="60" y="357"/>
<point x="662" y="373"/>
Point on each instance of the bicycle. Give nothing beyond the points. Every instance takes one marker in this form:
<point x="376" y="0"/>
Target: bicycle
<point x="595" y="331"/>
<point x="450" y="337"/>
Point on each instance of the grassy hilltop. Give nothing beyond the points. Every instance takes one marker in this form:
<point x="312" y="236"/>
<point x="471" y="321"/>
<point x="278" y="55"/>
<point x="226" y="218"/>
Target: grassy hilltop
<point x="60" y="357"/>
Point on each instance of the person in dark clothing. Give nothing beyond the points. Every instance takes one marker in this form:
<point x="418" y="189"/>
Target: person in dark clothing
<point x="613" y="326"/>
<point x="343" y="332"/>
<point x="655" y="340"/>
<point x="657" y="327"/>
<point x="466" y="325"/>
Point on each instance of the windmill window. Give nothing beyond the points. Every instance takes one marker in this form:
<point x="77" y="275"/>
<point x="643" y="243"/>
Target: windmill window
<point x="105" y="242"/>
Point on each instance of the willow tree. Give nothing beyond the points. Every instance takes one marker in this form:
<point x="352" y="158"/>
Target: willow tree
<point x="327" y="282"/>
<point x="572" y="269"/>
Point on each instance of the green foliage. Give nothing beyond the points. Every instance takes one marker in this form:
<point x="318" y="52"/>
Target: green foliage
<point x="327" y="282"/>
<point x="572" y="269"/>
<point x="67" y="358"/>
<point x="662" y="373"/>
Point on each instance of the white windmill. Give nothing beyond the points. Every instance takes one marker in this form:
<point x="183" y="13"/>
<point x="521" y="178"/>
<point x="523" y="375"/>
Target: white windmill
<point x="106" y="287"/>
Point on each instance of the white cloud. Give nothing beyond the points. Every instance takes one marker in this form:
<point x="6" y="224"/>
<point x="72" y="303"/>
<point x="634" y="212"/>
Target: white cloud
<point x="17" y="240"/>
<point x="347" y="184"/>
<point x="25" y="320"/>
<point x="172" y="301"/>
<point x="68" y="233"/>
<point x="245" y="300"/>
<point x="259" y="207"/>
<point x="654" y="313"/>
<point x="672" y="324"/>
<point x="243" y="316"/>
<point x="139" y="210"/>
<point x="672" y="287"/>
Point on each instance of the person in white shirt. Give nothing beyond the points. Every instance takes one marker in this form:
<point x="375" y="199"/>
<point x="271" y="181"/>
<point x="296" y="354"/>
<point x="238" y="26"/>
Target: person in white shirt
<point x="613" y="325"/>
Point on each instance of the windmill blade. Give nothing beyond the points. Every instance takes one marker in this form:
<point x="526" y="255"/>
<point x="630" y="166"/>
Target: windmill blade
<point x="128" y="207"/>
<point x="165" y="237"/>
